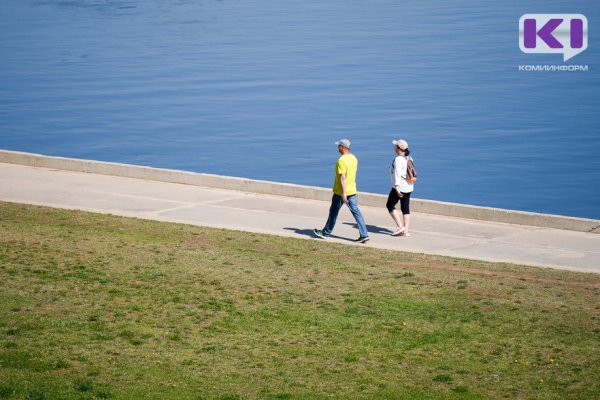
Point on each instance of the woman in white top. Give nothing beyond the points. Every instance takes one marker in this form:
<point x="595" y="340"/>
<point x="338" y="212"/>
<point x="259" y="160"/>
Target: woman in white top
<point x="401" y="189"/>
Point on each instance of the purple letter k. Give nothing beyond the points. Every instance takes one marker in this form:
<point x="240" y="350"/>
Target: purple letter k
<point x="545" y="33"/>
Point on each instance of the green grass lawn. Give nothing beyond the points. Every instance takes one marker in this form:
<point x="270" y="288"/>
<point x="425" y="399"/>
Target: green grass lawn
<point x="95" y="306"/>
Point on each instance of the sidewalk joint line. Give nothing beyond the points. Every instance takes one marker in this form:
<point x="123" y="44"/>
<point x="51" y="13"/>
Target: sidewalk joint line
<point x="182" y="207"/>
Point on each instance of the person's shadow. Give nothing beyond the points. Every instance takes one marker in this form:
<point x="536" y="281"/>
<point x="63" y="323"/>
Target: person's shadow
<point x="310" y="233"/>
<point x="303" y="232"/>
<point x="372" y="228"/>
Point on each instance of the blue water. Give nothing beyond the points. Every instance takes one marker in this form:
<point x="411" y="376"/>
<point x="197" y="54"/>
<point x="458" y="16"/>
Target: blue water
<point x="262" y="89"/>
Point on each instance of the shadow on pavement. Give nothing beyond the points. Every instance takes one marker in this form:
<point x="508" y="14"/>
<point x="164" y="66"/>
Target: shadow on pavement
<point x="371" y="228"/>
<point x="310" y="233"/>
<point x="303" y="232"/>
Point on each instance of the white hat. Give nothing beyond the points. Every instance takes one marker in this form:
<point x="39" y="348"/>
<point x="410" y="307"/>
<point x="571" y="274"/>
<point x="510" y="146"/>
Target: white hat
<point x="344" y="142"/>
<point x="403" y="144"/>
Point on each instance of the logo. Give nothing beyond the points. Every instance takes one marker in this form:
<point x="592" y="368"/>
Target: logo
<point x="553" y="33"/>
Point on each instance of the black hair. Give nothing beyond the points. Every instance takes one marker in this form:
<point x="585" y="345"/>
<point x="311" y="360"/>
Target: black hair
<point x="407" y="152"/>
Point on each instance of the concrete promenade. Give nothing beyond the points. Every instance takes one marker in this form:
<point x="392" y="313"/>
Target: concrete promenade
<point x="296" y="217"/>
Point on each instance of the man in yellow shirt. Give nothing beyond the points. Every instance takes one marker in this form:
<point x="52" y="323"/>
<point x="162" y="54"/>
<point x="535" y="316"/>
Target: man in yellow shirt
<point x="344" y="192"/>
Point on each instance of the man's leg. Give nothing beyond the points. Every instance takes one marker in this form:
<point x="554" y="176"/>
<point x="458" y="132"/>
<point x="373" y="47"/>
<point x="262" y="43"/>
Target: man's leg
<point x="334" y="210"/>
<point x="353" y="205"/>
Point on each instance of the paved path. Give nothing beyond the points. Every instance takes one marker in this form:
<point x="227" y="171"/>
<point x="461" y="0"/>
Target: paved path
<point x="432" y="234"/>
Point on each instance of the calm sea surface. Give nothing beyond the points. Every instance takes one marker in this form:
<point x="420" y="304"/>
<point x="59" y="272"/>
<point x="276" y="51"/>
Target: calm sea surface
<point x="262" y="89"/>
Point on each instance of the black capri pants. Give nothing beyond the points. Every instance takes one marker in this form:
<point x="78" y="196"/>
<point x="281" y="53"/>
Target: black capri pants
<point x="393" y="199"/>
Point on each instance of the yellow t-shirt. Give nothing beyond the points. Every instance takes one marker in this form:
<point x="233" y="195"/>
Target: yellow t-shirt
<point x="346" y="164"/>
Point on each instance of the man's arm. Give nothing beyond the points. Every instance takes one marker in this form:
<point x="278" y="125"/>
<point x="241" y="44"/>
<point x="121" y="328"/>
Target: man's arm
<point x="343" y="183"/>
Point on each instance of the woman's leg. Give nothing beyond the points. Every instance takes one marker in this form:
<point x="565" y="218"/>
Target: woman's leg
<point x="405" y="208"/>
<point x="392" y="200"/>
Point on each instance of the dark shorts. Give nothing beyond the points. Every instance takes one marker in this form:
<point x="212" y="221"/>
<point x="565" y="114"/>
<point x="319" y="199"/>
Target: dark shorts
<point x="393" y="199"/>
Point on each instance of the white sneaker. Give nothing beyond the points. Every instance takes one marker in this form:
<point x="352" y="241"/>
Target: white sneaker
<point x="399" y="231"/>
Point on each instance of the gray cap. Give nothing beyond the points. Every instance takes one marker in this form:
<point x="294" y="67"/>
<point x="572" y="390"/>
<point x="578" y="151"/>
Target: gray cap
<point x="403" y="144"/>
<point x="344" y="142"/>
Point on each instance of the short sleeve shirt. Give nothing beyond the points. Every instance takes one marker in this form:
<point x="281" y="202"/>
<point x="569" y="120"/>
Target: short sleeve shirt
<point x="346" y="164"/>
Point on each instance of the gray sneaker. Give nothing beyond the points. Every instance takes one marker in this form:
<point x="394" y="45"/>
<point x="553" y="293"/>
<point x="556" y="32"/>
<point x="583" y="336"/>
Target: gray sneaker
<point x="319" y="233"/>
